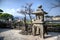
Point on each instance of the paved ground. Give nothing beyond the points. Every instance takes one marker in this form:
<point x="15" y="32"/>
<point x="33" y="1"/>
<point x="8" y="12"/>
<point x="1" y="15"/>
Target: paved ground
<point x="12" y="34"/>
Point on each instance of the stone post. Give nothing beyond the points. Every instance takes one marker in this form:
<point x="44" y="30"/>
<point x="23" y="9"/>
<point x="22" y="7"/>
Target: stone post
<point x="38" y="24"/>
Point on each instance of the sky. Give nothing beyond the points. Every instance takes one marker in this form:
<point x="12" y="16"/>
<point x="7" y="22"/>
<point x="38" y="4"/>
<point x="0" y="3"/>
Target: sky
<point x="12" y="6"/>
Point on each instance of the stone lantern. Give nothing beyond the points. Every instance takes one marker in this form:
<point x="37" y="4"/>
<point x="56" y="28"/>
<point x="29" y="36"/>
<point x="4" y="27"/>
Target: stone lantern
<point x="38" y="23"/>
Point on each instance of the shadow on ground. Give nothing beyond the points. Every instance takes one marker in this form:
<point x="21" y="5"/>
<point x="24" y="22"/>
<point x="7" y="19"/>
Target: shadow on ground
<point x="1" y="38"/>
<point x="52" y="34"/>
<point x="4" y="29"/>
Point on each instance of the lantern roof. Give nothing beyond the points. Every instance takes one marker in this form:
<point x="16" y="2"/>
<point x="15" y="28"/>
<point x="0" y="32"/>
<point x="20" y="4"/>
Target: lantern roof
<point x="39" y="11"/>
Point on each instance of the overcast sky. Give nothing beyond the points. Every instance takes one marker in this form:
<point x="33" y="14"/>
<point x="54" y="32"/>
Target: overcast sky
<point x="12" y="6"/>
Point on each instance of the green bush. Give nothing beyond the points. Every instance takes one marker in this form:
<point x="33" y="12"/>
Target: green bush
<point x="21" y="23"/>
<point x="3" y="24"/>
<point x="56" y="25"/>
<point x="18" y="23"/>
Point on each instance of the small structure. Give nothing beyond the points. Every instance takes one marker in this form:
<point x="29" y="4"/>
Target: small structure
<point x="38" y="24"/>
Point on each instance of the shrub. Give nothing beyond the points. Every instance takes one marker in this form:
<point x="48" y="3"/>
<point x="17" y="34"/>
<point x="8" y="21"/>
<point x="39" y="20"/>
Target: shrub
<point x="3" y="24"/>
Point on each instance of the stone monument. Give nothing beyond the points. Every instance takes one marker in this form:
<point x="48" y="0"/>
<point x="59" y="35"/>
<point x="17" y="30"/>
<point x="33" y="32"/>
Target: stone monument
<point x="38" y="24"/>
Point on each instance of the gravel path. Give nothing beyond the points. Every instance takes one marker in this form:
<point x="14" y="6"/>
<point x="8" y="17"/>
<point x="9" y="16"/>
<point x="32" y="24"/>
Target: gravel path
<point x="12" y="34"/>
